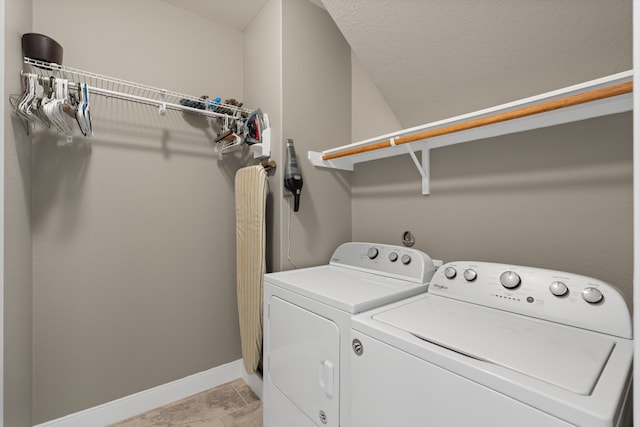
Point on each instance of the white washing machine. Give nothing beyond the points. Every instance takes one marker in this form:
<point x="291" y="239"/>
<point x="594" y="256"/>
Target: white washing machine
<point x="495" y="345"/>
<point x="307" y="316"/>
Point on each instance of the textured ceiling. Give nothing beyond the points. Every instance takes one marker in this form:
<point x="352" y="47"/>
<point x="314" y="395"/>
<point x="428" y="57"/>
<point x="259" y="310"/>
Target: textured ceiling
<point x="433" y="59"/>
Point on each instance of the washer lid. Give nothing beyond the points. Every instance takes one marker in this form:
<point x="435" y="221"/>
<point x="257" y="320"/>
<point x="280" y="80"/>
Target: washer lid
<point x="566" y="357"/>
<point x="343" y="288"/>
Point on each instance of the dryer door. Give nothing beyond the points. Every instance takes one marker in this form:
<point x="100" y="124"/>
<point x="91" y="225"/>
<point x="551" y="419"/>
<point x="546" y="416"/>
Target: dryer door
<point x="303" y="360"/>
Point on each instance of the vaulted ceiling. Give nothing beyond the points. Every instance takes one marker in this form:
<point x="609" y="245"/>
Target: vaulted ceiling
<point x="433" y="59"/>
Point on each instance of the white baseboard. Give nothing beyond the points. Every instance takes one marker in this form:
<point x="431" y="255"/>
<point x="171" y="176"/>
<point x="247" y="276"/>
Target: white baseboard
<point x="254" y="382"/>
<point x="128" y="406"/>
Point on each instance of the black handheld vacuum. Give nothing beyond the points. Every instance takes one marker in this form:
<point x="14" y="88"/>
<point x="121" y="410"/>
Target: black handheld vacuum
<point x="292" y="175"/>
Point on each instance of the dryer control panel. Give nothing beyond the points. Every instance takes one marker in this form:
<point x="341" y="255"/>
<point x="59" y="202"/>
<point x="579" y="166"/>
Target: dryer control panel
<point x="387" y="260"/>
<point x="552" y="295"/>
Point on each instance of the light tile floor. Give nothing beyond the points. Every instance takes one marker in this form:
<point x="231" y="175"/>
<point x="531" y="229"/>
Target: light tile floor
<point x="230" y="405"/>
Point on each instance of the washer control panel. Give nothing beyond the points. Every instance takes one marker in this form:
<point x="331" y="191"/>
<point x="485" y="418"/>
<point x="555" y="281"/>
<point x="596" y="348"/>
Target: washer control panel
<point x="387" y="260"/>
<point x="552" y="295"/>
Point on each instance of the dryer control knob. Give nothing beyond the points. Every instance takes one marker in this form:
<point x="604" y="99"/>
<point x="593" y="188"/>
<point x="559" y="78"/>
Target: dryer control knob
<point x="558" y="289"/>
<point x="406" y="259"/>
<point x="470" y="275"/>
<point x="372" y="253"/>
<point x="450" y="272"/>
<point x="592" y="295"/>
<point x="393" y="257"/>
<point x="510" y="279"/>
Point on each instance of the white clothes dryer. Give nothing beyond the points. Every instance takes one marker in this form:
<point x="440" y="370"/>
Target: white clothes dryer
<point x="495" y="345"/>
<point x="306" y="327"/>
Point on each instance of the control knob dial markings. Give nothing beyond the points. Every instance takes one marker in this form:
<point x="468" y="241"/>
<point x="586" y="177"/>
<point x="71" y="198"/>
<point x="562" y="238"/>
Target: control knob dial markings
<point x="450" y="272"/>
<point x="592" y="295"/>
<point x="510" y="279"/>
<point x="558" y="289"/>
<point x="470" y="275"/>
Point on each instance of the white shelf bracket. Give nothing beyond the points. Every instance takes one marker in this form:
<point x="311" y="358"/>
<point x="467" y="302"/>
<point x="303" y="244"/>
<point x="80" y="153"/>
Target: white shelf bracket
<point x="423" y="168"/>
<point x="426" y="168"/>
<point x="162" y="108"/>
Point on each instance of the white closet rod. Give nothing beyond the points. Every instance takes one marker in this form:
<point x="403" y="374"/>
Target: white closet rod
<point x="130" y="91"/>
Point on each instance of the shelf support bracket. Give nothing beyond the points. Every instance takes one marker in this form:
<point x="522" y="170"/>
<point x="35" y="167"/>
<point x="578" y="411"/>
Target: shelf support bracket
<point x="426" y="168"/>
<point x="423" y="168"/>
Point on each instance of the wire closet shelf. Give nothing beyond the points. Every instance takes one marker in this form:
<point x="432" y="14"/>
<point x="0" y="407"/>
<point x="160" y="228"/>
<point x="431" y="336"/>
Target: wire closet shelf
<point x="136" y="92"/>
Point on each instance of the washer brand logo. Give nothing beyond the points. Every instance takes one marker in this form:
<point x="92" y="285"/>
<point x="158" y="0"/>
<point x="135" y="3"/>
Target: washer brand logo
<point x="440" y="287"/>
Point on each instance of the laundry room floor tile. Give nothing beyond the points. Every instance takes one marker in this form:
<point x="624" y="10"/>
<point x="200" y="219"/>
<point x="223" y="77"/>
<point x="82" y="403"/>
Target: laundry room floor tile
<point x="249" y="416"/>
<point x="233" y="404"/>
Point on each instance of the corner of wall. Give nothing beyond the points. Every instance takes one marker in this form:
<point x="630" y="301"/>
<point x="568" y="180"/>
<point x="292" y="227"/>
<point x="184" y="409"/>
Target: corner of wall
<point x="262" y="62"/>
<point x="16" y="232"/>
<point x="370" y="114"/>
<point x="316" y="115"/>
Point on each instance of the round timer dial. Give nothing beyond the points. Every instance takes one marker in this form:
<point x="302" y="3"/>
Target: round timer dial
<point x="558" y="289"/>
<point x="510" y="279"/>
<point x="470" y="275"/>
<point x="592" y="295"/>
<point x="450" y="272"/>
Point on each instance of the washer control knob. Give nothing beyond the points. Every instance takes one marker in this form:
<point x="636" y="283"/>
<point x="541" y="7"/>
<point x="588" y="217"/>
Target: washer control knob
<point x="372" y="253"/>
<point x="393" y="257"/>
<point x="592" y="295"/>
<point x="510" y="279"/>
<point x="558" y="289"/>
<point x="470" y="275"/>
<point x="450" y="272"/>
<point x="406" y="259"/>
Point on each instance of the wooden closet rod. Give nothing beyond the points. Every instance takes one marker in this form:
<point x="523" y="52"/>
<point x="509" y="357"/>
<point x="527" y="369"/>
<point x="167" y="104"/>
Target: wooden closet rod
<point x="543" y="107"/>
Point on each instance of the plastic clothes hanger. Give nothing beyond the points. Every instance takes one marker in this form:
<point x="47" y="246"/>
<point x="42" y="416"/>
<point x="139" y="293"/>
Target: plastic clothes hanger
<point x="22" y="107"/>
<point x="62" y="109"/>
<point x="28" y="105"/>
<point x="228" y="140"/>
<point x="86" y="113"/>
<point x="54" y="109"/>
<point x="82" y="123"/>
<point x="48" y="102"/>
<point x="36" y="103"/>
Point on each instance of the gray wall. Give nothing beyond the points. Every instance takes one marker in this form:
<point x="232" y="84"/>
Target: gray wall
<point x="262" y="82"/>
<point x="17" y="229"/>
<point x="133" y="235"/>
<point x="370" y="114"/>
<point x="558" y="198"/>
<point x="298" y="64"/>
<point x="316" y="113"/>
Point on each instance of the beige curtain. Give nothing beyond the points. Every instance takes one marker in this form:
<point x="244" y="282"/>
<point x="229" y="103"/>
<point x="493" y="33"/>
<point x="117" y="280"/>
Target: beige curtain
<point x="251" y="197"/>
